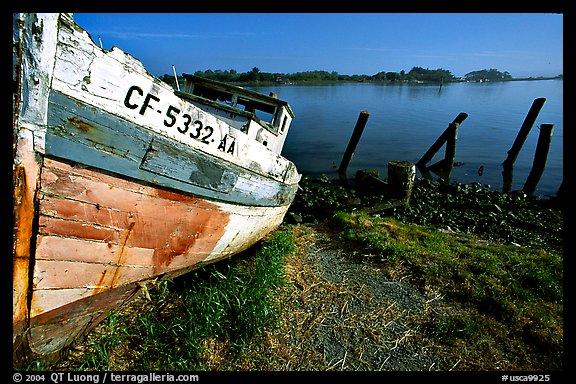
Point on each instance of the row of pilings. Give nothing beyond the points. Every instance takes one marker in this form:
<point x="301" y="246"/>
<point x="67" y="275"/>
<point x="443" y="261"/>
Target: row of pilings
<point x="448" y="139"/>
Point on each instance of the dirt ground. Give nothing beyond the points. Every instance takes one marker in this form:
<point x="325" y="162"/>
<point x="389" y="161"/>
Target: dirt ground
<point x="342" y="313"/>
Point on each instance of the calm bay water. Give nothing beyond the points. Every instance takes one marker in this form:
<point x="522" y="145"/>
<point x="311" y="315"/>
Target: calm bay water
<point x="405" y="120"/>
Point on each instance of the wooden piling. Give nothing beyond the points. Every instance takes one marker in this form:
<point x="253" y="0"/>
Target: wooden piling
<point x="523" y="133"/>
<point x="356" y="134"/>
<point x="425" y="172"/>
<point x="401" y="176"/>
<point x="442" y="168"/>
<point x="540" y="156"/>
<point x="450" y="153"/>
<point x="507" y="179"/>
<point x="449" y="137"/>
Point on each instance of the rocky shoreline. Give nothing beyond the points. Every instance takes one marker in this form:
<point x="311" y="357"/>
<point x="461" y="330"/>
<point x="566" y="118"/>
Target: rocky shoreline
<point x="511" y="218"/>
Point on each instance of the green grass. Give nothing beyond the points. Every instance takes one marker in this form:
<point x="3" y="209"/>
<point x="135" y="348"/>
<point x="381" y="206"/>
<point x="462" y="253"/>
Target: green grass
<point x="450" y="328"/>
<point x="224" y="309"/>
<point x="510" y="295"/>
<point x="492" y="270"/>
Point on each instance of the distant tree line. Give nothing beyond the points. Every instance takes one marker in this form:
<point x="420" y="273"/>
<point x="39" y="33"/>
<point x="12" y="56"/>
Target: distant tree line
<point x="487" y="74"/>
<point x="416" y="74"/>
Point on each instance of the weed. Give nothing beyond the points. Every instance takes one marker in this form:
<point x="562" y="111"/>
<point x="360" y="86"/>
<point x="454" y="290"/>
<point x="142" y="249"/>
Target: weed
<point x="226" y="307"/>
<point x="449" y="328"/>
<point x="519" y="288"/>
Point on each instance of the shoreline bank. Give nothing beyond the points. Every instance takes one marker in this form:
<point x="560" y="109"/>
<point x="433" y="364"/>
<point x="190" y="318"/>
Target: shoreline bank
<point x="511" y="218"/>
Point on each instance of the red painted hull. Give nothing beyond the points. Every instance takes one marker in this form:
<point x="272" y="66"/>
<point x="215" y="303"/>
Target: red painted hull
<point x="99" y="236"/>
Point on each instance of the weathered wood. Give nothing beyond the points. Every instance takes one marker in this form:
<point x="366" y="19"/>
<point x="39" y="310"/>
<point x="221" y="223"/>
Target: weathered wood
<point x="523" y="132"/>
<point x="53" y="330"/>
<point x="508" y="164"/>
<point x="151" y="215"/>
<point x="450" y="152"/>
<point x="442" y="168"/>
<point x="61" y="335"/>
<point x="425" y="172"/>
<point x="25" y="176"/>
<point x="99" y="232"/>
<point x="540" y="157"/>
<point x="507" y="178"/>
<point x="99" y="78"/>
<point x="356" y="134"/>
<point x="65" y="275"/>
<point x="79" y="133"/>
<point x="401" y="176"/>
<point x="449" y="134"/>
<point x="368" y="182"/>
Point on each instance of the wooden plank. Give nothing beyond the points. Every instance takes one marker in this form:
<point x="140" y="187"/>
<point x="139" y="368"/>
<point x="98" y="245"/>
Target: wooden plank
<point x="179" y="163"/>
<point x="45" y="301"/>
<point x="171" y="225"/>
<point x="77" y="229"/>
<point x="56" y="207"/>
<point x="54" y="329"/>
<point x="58" y="274"/>
<point x="80" y="250"/>
<point x="60" y="333"/>
<point x="102" y="190"/>
<point x="59" y="305"/>
<point x="26" y="173"/>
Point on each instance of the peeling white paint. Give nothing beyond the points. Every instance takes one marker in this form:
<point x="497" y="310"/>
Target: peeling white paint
<point x="101" y="78"/>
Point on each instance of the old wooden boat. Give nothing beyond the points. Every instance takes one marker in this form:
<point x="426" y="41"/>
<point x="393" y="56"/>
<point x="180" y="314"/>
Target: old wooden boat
<point x="120" y="179"/>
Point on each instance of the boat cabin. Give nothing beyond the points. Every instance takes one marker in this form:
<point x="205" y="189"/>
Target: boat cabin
<point x="265" y="119"/>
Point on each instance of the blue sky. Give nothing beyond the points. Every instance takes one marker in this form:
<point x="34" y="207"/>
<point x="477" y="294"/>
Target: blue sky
<point x="524" y="44"/>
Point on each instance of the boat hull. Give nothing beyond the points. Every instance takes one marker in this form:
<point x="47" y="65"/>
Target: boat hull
<point x="101" y="236"/>
<point x="118" y="181"/>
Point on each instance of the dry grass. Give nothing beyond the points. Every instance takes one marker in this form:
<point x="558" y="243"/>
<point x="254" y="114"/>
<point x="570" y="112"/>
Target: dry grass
<point x="341" y="321"/>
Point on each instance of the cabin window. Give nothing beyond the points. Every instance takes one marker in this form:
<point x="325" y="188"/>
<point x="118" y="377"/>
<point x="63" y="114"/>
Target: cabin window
<point x="269" y="112"/>
<point x="213" y="94"/>
<point x="263" y="111"/>
<point x="284" y="121"/>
